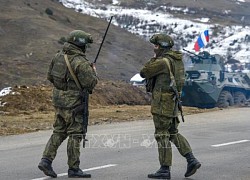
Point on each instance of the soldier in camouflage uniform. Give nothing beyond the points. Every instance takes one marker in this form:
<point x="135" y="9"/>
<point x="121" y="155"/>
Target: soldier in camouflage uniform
<point x="66" y="98"/>
<point x="163" y="107"/>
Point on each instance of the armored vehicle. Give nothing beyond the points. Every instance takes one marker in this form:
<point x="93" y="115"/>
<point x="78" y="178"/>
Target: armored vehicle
<point x="209" y="85"/>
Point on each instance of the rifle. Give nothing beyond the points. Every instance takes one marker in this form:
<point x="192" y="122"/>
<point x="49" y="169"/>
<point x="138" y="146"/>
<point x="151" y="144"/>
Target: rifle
<point x="177" y="100"/>
<point x="84" y="107"/>
<point x="85" y="99"/>
<point x="85" y="121"/>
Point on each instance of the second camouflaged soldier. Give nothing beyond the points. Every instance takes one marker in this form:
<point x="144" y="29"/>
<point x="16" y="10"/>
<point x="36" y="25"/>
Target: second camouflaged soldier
<point x="160" y="72"/>
<point x="66" y="98"/>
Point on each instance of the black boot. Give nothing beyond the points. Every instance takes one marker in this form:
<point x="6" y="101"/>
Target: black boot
<point x="162" y="173"/>
<point x="193" y="164"/>
<point x="45" y="166"/>
<point x="77" y="173"/>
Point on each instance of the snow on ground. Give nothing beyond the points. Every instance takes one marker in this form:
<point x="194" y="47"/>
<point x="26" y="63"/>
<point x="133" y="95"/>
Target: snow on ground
<point x="5" y="91"/>
<point x="224" y="40"/>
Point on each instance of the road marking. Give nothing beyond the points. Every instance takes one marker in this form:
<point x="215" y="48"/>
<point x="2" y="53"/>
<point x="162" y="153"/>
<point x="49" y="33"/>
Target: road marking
<point x="89" y="169"/>
<point x="230" y="143"/>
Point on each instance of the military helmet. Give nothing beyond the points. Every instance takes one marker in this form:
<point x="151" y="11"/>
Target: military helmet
<point x="79" y="38"/>
<point x="163" y="40"/>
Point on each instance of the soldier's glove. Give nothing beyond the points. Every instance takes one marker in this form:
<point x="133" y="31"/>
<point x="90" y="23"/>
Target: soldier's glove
<point x="93" y="67"/>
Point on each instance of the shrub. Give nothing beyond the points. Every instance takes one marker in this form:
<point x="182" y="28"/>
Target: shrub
<point x="49" y="11"/>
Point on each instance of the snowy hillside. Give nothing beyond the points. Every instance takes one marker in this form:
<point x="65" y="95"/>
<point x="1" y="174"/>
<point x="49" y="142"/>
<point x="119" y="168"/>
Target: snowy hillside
<point x="231" y="42"/>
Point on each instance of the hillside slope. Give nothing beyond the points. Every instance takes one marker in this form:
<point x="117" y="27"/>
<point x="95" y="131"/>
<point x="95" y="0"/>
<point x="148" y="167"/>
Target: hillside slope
<point x="226" y="21"/>
<point x="30" y="31"/>
<point x="223" y="11"/>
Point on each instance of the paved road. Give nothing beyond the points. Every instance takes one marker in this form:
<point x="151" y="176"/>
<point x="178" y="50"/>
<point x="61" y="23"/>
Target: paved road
<point x="127" y="151"/>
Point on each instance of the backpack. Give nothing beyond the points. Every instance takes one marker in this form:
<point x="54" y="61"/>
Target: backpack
<point x="177" y="68"/>
<point x="59" y="72"/>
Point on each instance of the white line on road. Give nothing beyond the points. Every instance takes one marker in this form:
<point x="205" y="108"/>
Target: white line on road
<point x="89" y="169"/>
<point x="230" y="143"/>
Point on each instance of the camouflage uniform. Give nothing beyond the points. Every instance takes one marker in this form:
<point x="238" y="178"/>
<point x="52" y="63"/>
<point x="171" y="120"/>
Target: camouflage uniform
<point x="165" y="114"/>
<point x="67" y="96"/>
<point x="64" y="101"/>
<point x="162" y="108"/>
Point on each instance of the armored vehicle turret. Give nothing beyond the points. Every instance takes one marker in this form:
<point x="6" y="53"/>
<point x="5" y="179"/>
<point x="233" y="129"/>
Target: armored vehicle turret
<point x="209" y="85"/>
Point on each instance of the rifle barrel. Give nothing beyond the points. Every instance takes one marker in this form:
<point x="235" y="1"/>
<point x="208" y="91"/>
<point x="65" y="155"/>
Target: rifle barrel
<point x="193" y="54"/>
<point x="85" y="116"/>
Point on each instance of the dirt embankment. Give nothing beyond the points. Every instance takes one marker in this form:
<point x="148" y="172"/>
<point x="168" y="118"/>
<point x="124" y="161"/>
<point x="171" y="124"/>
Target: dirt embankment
<point x="31" y="99"/>
<point x="29" y="109"/>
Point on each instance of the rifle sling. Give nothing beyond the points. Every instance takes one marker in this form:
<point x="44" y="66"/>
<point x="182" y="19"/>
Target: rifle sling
<point x="72" y="72"/>
<point x="174" y="84"/>
<point x="170" y="71"/>
<point x="81" y="107"/>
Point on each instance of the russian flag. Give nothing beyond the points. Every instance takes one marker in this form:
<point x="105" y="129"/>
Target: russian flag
<point x="201" y="41"/>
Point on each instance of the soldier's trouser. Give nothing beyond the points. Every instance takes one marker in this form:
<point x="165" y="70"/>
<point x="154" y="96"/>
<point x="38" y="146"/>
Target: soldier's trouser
<point x="166" y="130"/>
<point x="65" y="126"/>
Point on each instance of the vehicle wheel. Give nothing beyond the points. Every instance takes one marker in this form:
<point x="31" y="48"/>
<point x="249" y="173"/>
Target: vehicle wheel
<point x="225" y="99"/>
<point x="239" y="99"/>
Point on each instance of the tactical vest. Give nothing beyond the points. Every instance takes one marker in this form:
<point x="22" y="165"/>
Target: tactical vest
<point x="59" y="72"/>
